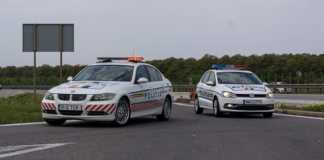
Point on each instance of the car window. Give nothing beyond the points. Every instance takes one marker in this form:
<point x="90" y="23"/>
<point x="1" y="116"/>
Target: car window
<point x="155" y="75"/>
<point x="142" y="72"/>
<point x="237" y="78"/>
<point x="105" y="73"/>
<point x="212" y="77"/>
<point x="205" y="77"/>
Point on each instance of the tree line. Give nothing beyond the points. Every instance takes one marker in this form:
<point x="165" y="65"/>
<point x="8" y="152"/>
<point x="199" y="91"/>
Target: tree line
<point x="287" y="68"/>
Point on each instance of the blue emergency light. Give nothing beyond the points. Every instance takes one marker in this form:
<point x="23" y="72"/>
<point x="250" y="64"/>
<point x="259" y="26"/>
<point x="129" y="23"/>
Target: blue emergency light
<point x="227" y="66"/>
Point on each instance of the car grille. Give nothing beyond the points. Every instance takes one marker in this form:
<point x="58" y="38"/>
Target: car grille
<point x="74" y="97"/>
<point x="74" y="113"/>
<point x="64" y="97"/>
<point x="78" y="97"/>
<point x="252" y="95"/>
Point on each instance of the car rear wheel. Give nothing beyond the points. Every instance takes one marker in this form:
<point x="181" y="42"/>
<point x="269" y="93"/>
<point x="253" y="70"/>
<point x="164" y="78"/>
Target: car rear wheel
<point x="55" y="122"/>
<point x="198" y="110"/>
<point x="166" y="111"/>
<point x="267" y="115"/>
<point x="122" y="114"/>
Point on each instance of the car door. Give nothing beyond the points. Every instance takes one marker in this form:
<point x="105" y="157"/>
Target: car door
<point x="202" y="90"/>
<point x="210" y="89"/>
<point x="140" y="97"/>
<point x="157" y="94"/>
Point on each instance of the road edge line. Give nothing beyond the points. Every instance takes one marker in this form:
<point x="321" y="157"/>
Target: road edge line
<point x="278" y="114"/>
<point x="21" y="124"/>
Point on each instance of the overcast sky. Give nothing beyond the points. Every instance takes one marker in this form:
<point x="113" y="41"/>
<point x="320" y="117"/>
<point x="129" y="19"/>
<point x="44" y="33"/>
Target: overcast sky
<point x="159" y="29"/>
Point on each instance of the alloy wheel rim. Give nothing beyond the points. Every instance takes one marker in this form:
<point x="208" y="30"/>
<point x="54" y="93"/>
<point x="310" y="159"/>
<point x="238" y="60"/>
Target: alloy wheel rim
<point x="122" y="113"/>
<point x="215" y="107"/>
<point x="167" y="109"/>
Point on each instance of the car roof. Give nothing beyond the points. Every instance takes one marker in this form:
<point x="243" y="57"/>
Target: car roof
<point x="119" y="63"/>
<point x="231" y="70"/>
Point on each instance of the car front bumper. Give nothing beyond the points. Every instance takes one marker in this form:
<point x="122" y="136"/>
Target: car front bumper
<point x="238" y="105"/>
<point x="103" y="111"/>
<point x="110" y="117"/>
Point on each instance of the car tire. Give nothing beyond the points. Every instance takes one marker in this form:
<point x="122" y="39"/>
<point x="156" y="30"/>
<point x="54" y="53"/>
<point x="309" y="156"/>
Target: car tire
<point x="198" y="109"/>
<point x="216" y="109"/>
<point x="166" y="111"/>
<point x="122" y="113"/>
<point x="267" y="115"/>
<point x="55" y="122"/>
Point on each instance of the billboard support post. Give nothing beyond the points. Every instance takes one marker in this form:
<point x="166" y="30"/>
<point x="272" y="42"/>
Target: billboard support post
<point x="61" y="52"/>
<point x="35" y="58"/>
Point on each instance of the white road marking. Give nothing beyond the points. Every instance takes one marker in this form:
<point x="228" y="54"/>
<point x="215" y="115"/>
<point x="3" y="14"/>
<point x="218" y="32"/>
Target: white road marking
<point x="306" y="117"/>
<point x="9" y="151"/>
<point x="21" y="124"/>
<point x="277" y="114"/>
<point x="184" y="105"/>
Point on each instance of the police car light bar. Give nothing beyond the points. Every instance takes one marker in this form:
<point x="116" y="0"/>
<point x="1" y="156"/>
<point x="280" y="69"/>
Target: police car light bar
<point x="135" y="58"/>
<point x="227" y="66"/>
<point x="111" y="59"/>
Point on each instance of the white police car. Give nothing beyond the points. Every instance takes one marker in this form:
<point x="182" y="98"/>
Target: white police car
<point x="110" y="91"/>
<point x="226" y="88"/>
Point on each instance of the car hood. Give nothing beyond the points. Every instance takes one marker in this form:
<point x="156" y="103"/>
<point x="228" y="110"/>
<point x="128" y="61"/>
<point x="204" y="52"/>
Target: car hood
<point x="246" y="89"/>
<point x="88" y="87"/>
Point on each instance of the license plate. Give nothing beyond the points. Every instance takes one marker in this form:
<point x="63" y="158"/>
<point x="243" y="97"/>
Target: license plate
<point x="252" y="101"/>
<point x="70" y="107"/>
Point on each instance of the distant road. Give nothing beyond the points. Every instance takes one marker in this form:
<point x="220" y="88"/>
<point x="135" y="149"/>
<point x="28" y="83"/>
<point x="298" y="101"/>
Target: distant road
<point x="12" y="92"/>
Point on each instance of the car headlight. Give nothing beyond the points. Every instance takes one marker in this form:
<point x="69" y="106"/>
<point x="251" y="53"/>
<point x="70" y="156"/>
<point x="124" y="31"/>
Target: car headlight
<point x="228" y="94"/>
<point x="103" y="97"/>
<point x="270" y="95"/>
<point x="49" y="96"/>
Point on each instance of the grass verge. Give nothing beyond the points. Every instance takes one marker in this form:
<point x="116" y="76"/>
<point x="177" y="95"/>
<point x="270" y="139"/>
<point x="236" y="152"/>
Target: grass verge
<point x="312" y="107"/>
<point x="20" y="108"/>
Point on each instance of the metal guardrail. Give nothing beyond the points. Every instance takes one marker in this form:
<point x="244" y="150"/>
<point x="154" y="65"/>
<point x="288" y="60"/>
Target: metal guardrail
<point x="276" y="88"/>
<point x="297" y="88"/>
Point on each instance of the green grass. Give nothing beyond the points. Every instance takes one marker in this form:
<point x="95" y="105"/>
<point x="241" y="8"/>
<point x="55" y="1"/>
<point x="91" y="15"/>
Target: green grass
<point x="314" y="108"/>
<point x="20" y="108"/>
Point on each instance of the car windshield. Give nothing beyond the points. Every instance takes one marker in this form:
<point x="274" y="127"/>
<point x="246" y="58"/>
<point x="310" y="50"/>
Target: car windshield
<point x="237" y="78"/>
<point x="105" y="73"/>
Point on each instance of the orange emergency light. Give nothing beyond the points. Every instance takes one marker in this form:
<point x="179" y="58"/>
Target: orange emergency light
<point x="135" y="58"/>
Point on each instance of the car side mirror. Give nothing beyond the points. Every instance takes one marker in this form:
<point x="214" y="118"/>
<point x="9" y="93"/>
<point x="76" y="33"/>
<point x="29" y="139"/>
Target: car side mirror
<point x="70" y="78"/>
<point x="211" y="83"/>
<point x="142" y="80"/>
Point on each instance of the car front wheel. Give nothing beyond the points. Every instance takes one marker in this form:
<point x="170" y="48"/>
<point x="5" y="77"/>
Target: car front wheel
<point x="216" y="109"/>
<point x="198" y="109"/>
<point x="122" y="114"/>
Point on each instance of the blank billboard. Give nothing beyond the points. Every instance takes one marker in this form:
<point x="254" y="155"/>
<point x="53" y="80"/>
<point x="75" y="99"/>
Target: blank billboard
<point x="48" y="37"/>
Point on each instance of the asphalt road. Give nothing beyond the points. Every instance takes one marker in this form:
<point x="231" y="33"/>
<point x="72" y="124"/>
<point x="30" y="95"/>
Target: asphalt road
<point x="186" y="136"/>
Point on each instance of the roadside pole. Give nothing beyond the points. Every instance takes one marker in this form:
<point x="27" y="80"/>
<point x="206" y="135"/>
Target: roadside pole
<point x="61" y="52"/>
<point x="35" y="64"/>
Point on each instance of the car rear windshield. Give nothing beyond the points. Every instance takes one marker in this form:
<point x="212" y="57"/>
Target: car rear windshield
<point x="105" y="73"/>
<point x="237" y="78"/>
